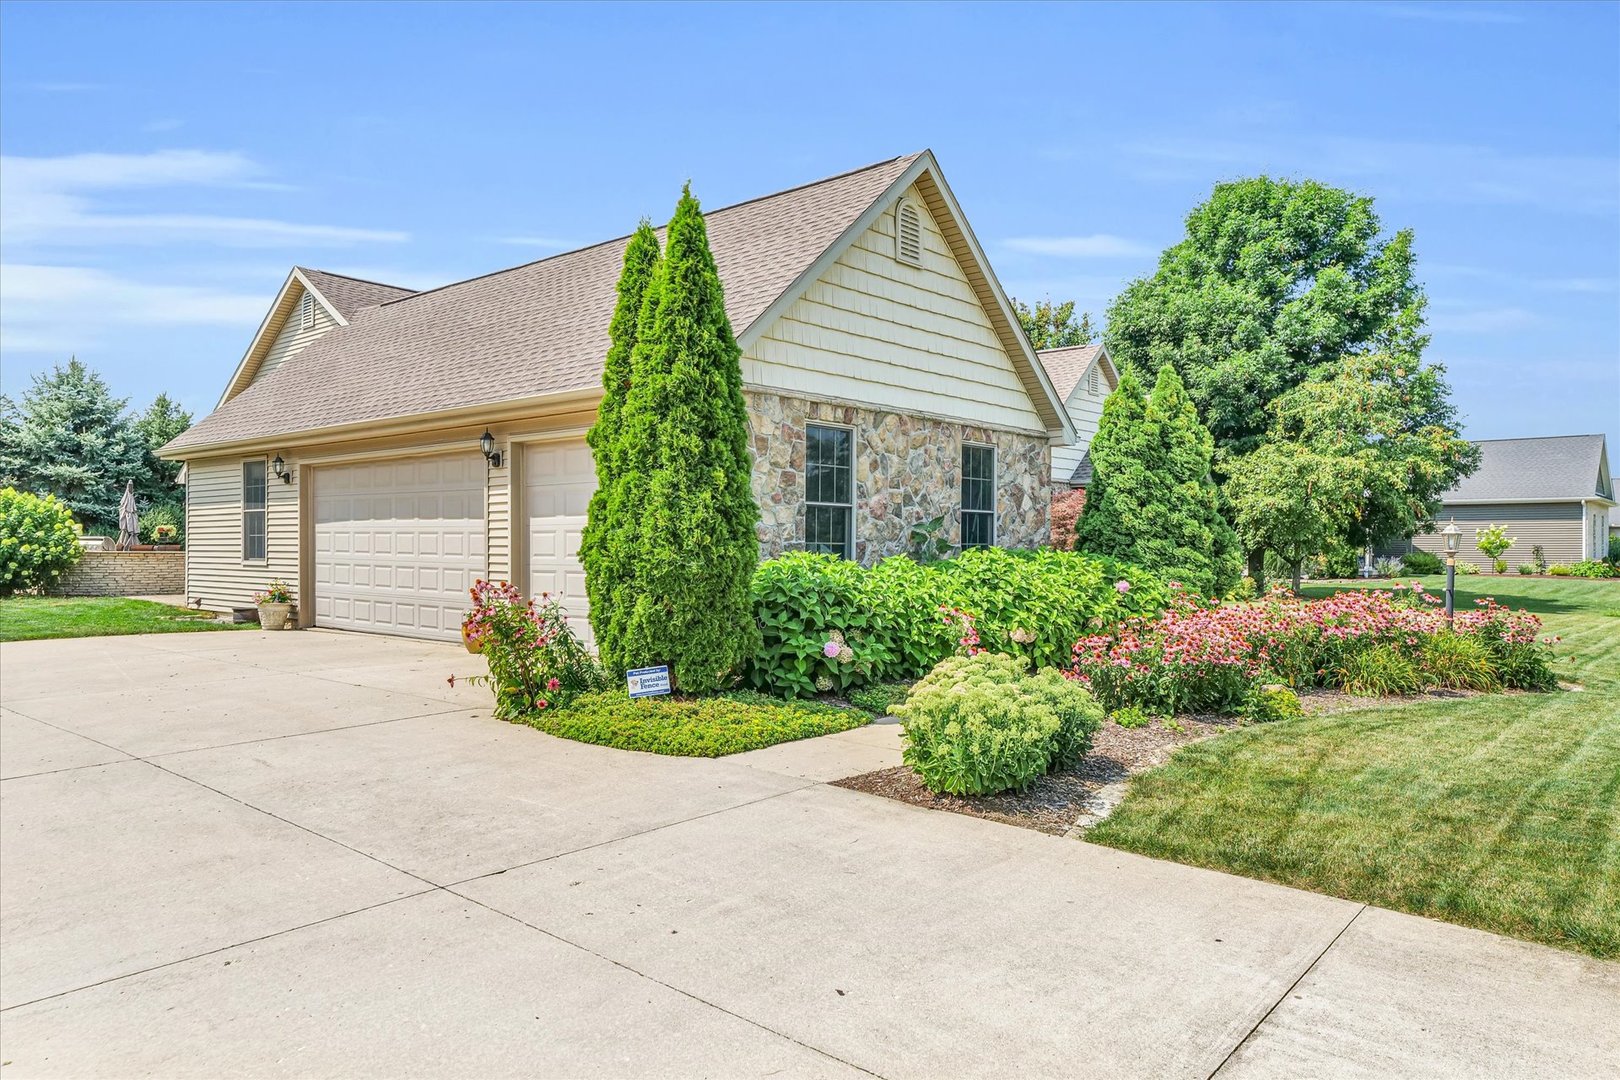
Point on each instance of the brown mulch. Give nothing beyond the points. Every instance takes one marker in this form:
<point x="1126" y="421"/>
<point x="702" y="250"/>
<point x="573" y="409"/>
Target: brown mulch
<point x="1053" y="802"/>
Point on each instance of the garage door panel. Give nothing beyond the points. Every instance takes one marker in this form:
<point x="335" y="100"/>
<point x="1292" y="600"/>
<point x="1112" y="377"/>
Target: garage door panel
<point x="398" y="544"/>
<point x="559" y="480"/>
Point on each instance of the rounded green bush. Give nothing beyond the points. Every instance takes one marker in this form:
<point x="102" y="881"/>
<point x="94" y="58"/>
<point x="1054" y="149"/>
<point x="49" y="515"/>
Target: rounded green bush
<point x="978" y="725"/>
<point x="1269" y="704"/>
<point x="1422" y="562"/>
<point x="38" y="540"/>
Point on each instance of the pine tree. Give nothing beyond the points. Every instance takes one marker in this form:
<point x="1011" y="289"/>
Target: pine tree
<point x="685" y="431"/>
<point x="70" y="438"/>
<point x="1123" y="462"/>
<point x="162" y="421"/>
<point x="609" y="537"/>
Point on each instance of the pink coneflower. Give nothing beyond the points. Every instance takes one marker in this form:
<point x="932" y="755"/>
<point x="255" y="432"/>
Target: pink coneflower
<point x="1122" y="587"/>
<point x="553" y="683"/>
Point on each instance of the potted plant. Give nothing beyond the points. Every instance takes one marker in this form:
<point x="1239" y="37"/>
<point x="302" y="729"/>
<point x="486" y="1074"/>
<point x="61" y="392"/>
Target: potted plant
<point x="275" y="603"/>
<point x="164" y="535"/>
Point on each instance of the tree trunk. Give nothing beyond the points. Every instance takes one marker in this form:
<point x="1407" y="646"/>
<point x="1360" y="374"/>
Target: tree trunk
<point x="1299" y="566"/>
<point x="1257" y="571"/>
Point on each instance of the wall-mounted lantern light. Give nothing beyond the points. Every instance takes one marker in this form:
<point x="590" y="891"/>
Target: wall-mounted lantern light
<point x="279" y="466"/>
<point x="486" y="443"/>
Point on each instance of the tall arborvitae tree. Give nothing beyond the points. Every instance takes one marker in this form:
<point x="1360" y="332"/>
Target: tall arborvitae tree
<point x="1123" y="461"/>
<point x="162" y="421"/>
<point x="70" y="438"/>
<point x="608" y="543"/>
<point x="1193" y="543"/>
<point x="685" y="427"/>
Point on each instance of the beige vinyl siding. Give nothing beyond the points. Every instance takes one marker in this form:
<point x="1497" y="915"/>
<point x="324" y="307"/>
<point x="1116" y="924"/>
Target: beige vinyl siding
<point x="1555" y="526"/>
<point x="875" y="331"/>
<point x="1085" y="412"/>
<point x="294" y="337"/>
<point x="498" y="516"/>
<point x="217" y="577"/>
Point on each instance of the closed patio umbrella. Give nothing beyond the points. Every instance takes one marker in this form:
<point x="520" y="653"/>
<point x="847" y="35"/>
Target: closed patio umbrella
<point x="129" y="520"/>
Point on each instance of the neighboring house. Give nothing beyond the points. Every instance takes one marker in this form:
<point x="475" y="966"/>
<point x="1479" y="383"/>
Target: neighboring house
<point x="1555" y="492"/>
<point x="1083" y="375"/>
<point x="880" y="359"/>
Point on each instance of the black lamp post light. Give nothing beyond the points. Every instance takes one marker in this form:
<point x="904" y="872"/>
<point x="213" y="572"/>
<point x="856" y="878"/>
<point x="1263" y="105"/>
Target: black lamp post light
<point x="486" y="443"/>
<point x="1451" y="533"/>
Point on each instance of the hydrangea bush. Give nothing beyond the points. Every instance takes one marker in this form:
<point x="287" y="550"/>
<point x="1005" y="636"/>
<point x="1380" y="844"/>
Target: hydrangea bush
<point x="536" y="661"/>
<point x="1198" y="658"/>
<point x="38" y="541"/>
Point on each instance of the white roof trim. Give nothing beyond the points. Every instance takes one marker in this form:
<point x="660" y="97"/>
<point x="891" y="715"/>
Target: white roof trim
<point x="1527" y="502"/>
<point x="924" y="165"/>
<point x="272" y="326"/>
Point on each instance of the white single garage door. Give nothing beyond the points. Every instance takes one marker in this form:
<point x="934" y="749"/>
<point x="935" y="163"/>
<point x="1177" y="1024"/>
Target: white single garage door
<point x="398" y="544"/>
<point x="558" y="479"/>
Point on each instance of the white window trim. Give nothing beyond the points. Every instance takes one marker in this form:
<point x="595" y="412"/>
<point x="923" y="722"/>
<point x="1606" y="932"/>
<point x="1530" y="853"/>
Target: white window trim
<point x="899" y="245"/>
<point x="995" y="494"/>
<point x="849" y="538"/>
<point x="263" y="511"/>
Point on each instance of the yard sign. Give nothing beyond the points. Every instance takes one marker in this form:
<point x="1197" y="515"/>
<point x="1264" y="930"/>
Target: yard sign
<point x="648" y="681"/>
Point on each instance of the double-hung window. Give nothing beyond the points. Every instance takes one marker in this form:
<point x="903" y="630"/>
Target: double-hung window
<point x="253" y="503"/>
<point x="978" y="495"/>
<point x="829" y="504"/>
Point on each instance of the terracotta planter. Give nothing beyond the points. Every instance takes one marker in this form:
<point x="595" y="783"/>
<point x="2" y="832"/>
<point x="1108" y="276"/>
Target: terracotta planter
<point x="274" y="616"/>
<point x="474" y="647"/>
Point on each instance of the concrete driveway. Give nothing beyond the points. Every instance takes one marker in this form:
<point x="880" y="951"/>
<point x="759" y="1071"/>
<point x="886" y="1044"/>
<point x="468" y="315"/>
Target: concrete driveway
<point x="304" y="854"/>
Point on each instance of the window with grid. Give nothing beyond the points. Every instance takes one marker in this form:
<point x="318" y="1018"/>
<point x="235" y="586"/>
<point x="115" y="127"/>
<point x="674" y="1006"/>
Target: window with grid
<point x="978" y="496"/>
<point x="253" y="503"/>
<point x="829" y="504"/>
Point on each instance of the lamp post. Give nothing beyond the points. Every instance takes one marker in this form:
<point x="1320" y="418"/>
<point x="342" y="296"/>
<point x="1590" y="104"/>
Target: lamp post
<point x="1451" y="533"/>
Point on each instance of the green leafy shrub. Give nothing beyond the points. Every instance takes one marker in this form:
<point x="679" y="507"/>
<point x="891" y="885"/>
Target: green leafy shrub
<point x="977" y="725"/>
<point x="1459" y="662"/>
<point x="880" y="698"/>
<point x="165" y="515"/>
<point x="1466" y="568"/>
<point x="1379" y="670"/>
<point x="1422" y="562"/>
<point x="1591" y="568"/>
<point x="536" y="661"/>
<point x="38" y="541"/>
<point x="1559" y="570"/>
<point x="1271" y="703"/>
<point x="1131" y="716"/>
<point x="828" y="624"/>
<point x="1526" y="569"/>
<point x="726" y="723"/>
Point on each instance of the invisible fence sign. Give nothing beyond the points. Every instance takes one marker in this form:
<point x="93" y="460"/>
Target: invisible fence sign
<point x="648" y="681"/>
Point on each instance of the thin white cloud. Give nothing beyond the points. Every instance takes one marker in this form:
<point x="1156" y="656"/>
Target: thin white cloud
<point x="1095" y="246"/>
<point x="47" y="202"/>
<point x="1482" y="320"/>
<point x="64" y="308"/>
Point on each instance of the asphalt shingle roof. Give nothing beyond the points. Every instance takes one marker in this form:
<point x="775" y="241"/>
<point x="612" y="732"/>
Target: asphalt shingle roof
<point x="541" y="328"/>
<point x="349" y="294"/>
<point x="1560" y="467"/>
<point x="1065" y="366"/>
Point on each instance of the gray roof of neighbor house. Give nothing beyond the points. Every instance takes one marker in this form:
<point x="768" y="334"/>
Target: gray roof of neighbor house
<point x="1557" y="468"/>
<point x="350" y="294"/>
<point x="536" y="329"/>
<point x="1082" y="472"/>
<point x="1065" y="366"/>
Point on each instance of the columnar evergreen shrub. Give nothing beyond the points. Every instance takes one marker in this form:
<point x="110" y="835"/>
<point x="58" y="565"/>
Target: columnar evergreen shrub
<point x="685" y="426"/>
<point x="37" y="540"/>
<point x="607" y="547"/>
<point x="1152" y="500"/>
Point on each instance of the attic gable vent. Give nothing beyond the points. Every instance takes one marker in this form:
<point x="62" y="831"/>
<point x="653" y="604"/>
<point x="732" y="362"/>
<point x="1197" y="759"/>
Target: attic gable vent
<point x="1092" y="384"/>
<point x="306" y="312"/>
<point x="908" y="242"/>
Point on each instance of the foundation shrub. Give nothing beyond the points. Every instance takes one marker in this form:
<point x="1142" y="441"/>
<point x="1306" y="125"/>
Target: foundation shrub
<point x="1422" y="562"/>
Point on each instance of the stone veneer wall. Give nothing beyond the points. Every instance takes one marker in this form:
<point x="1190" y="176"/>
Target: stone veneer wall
<point x="124" y="573"/>
<point x="907" y="471"/>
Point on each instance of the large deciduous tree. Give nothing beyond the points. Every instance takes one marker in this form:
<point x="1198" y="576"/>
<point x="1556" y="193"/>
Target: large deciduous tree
<point x="1053" y="326"/>
<point x="1292" y="500"/>
<point x="1275" y="282"/>
<point x="685" y="428"/>
<point x="69" y="437"/>
<point x="607" y="547"/>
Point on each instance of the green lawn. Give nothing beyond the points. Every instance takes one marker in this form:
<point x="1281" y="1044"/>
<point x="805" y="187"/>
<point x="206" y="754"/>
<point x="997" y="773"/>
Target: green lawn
<point x="26" y="618"/>
<point x="1500" y="812"/>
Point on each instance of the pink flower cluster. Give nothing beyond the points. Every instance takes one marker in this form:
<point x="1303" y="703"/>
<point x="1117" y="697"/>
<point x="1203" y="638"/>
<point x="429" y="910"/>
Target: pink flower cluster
<point x="963" y="621"/>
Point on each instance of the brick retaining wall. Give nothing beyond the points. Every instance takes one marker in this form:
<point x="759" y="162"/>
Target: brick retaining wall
<point x="125" y="573"/>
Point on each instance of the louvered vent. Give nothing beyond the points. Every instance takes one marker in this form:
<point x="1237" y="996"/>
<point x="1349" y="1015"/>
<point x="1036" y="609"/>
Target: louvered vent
<point x="1093" y="377"/>
<point x="306" y="313"/>
<point x="908" y="244"/>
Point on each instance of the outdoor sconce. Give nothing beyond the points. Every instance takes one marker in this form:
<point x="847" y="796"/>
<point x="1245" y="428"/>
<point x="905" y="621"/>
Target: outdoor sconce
<point x="279" y="466"/>
<point x="486" y="443"/>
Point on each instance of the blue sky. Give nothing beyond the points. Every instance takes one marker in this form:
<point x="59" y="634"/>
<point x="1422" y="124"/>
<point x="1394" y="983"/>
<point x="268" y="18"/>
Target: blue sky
<point x="164" y="166"/>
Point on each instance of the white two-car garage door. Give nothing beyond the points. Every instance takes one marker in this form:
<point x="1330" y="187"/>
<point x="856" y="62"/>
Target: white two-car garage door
<point x="558" y="479"/>
<point x="398" y="544"/>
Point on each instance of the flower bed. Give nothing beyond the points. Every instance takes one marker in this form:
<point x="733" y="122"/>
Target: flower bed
<point x="536" y="662"/>
<point x="1199" y="658"/>
<point x="832" y="625"/>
